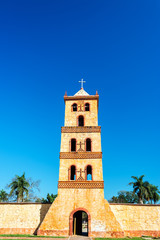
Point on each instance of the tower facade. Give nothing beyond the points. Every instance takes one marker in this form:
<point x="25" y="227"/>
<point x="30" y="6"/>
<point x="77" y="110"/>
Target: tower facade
<point x="80" y="207"/>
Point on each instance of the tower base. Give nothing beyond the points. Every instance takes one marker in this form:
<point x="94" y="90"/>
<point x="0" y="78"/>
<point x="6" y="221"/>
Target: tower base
<point x="61" y="217"/>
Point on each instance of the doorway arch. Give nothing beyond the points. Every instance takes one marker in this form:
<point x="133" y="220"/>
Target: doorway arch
<point x="78" y="214"/>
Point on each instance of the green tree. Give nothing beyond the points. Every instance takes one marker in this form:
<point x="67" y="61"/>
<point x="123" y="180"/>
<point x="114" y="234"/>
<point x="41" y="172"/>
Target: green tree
<point x="127" y="197"/>
<point x="114" y="199"/>
<point x="148" y="194"/>
<point x="142" y="192"/>
<point x="140" y="188"/>
<point x="124" y="197"/>
<point x="49" y="199"/>
<point x="19" y="188"/>
<point x="3" y="196"/>
<point x="154" y="193"/>
<point x="38" y="200"/>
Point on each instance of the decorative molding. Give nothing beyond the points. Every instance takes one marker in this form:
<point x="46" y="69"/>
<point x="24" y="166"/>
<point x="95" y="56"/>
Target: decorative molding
<point x="92" y="129"/>
<point x="80" y="178"/>
<point x="89" y="97"/>
<point x="80" y="155"/>
<point x="81" y="184"/>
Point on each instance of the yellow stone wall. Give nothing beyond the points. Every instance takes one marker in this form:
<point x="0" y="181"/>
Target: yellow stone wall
<point x="137" y="217"/>
<point x="91" y="117"/>
<point x="108" y="220"/>
<point x="132" y="220"/>
<point x="14" y="218"/>
<point x="112" y="225"/>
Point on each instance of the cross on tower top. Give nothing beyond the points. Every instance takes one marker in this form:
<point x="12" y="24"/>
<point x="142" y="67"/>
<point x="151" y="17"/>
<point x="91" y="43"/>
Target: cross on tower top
<point x="82" y="81"/>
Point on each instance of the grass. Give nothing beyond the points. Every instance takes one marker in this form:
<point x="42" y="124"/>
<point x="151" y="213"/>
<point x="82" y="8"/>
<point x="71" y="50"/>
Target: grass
<point x="36" y="236"/>
<point x="27" y="235"/>
<point x="126" y="238"/>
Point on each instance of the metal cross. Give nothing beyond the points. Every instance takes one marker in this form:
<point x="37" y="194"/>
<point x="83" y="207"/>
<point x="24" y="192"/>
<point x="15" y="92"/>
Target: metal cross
<point x="80" y="144"/>
<point x="82" y="81"/>
<point x="81" y="172"/>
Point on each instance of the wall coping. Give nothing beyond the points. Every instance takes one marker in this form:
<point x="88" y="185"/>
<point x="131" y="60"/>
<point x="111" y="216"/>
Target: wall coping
<point x="24" y="203"/>
<point x="136" y="204"/>
<point x="34" y="203"/>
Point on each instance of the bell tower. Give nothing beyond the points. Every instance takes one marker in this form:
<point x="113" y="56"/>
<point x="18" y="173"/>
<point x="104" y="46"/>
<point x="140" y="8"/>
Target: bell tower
<point x="80" y="155"/>
<point x="80" y="207"/>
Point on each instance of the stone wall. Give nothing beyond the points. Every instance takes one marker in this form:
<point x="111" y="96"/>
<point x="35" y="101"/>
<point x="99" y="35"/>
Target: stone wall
<point x="138" y="220"/>
<point x="121" y="219"/>
<point x="21" y="218"/>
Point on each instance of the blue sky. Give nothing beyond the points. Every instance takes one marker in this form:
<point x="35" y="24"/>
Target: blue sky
<point x="46" y="47"/>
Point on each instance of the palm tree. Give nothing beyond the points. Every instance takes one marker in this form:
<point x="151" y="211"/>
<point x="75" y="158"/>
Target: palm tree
<point x="49" y="199"/>
<point x="3" y="196"/>
<point x="154" y="193"/>
<point x="140" y="188"/>
<point x="148" y="193"/>
<point x="19" y="187"/>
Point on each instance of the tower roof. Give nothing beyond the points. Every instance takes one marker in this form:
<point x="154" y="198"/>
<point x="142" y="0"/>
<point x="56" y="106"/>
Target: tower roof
<point x="81" y="92"/>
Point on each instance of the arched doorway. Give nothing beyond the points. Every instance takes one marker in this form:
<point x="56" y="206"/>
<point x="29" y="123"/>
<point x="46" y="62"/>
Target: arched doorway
<point x="79" y="222"/>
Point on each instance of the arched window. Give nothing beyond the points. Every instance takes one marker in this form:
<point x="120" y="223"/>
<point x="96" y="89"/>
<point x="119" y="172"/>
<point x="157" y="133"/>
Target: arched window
<point x="73" y="145"/>
<point x="88" y="145"/>
<point x="73" y="173"/>
<point x="87" y="107"/>
<point x="74" y="107"/>
<point x="89" y="173"/>
<point x="80" y="121"/>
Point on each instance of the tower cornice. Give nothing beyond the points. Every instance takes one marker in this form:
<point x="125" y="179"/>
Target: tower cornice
<point x="89" y="97"/>
<point x="81" y="184"/>
<point x="85" y="129"/>
<point x="80" y="155"/>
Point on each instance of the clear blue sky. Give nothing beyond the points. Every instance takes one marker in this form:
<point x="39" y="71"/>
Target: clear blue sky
<point x="46" y="47"/>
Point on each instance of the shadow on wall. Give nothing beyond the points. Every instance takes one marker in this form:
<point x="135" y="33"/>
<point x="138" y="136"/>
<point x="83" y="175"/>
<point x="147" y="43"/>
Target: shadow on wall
<point x="43" y="211"/>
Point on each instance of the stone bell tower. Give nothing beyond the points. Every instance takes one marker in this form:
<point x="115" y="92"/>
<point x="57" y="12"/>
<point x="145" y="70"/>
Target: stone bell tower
<point x="80" y="207"/>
